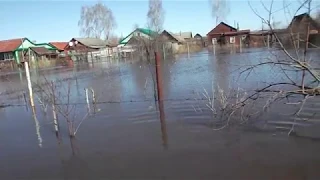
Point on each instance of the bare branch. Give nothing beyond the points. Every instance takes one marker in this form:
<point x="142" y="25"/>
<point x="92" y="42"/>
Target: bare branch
<point x="96" y="21"/>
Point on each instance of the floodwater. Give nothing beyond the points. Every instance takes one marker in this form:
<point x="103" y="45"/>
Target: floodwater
<point x="125" y="138"/>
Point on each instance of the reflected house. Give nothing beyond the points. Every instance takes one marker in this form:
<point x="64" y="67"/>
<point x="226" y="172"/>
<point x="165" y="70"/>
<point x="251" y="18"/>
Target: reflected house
<point x="224" y="34"/>
<point x="15" y="49"/>
<point x="88" y="48"/>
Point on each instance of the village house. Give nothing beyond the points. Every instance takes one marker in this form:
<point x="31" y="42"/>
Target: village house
<point x="302" y="26"/>
<point x="172" y="41"/>
<point x="145" y="33"/>
<point x="197" y="36"/>
<point x="41" y="53"/>
<point x="16" y="49"/>
<point x="88" y="48"/>
<point x="184" y="35"/>
<point x="294" y="35"/>
<point x="59" y="45"/>
<point x="224" y="34"/>
<point x="300" y="23"/>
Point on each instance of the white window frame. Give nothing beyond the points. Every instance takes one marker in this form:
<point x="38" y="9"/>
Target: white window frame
<point x="232" y="40"/>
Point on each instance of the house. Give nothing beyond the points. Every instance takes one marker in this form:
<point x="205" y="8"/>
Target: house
<point x="224" y="34"/>
<point x="299" y="24"/>
<point x="41" y="53"/>
<point x="146" y="33"/>
<point x="171" y="37"/>
<point x="184" y="35"/>
<point x="14" y="49"/>
<point x="59" y="45"/>
<point x="172" y="41"/>
<point x="197" y="36"/>
<point x="299" y="27"/>
<point x="89" y="47"/>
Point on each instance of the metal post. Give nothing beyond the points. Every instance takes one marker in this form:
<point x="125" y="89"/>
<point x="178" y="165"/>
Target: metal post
<point x="158" y="77"/>
<point x="188" y="50"/>
<point x="26" y="65"/>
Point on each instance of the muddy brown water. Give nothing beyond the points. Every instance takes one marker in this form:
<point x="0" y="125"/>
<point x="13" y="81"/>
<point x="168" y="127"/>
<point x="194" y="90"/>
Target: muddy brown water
<point x="125" y="138"/>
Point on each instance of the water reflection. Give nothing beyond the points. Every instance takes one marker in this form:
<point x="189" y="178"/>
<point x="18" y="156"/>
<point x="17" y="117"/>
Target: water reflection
<point x="37" y="126"/>
<point x="164" y="135"/>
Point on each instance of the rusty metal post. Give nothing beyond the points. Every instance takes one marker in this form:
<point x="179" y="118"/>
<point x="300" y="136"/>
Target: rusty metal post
<point x="160" y="101"/>
<point x="158" y="77"/>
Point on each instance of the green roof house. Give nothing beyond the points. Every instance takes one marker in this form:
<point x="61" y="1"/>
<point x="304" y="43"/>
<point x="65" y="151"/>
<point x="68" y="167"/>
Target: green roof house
<point x="146" y="33"/>
<point x="13" y="49"/>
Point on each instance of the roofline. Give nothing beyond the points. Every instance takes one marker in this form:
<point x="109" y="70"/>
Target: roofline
<point x="50" y="43"/>
<point x="120" y="42"/>
<point x="17" y="48"/>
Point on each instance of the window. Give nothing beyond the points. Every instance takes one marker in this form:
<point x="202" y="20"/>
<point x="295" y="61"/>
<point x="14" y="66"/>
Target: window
<point x="232" y="40"/>
<point x="8" y="56"/>
<point x="138" y="34"/>
<point x="214" y="40"/>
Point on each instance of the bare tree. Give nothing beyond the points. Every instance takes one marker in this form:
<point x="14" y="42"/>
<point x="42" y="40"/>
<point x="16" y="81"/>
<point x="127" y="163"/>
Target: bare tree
<point x="155" y="15"/>
<point x="219" y="9"/>
<point x="96" y="21"/>
<point x="296" y="60"/>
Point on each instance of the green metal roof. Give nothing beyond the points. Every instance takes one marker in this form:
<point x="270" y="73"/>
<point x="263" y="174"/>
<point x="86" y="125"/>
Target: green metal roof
<point x="148" y="32"/>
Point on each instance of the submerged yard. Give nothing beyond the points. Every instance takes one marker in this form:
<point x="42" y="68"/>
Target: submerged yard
<point x="125" y="135"/>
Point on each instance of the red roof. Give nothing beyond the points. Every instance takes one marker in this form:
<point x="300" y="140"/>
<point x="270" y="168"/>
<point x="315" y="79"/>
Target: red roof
<point x="10" y="45"/>
<point x="59" y="45"/>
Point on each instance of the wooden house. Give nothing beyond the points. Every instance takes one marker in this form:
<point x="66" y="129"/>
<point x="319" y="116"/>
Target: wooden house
<point x="41" y="53"/>
<point x="15" y="49"/>
<point x="197" y="36"/>
<point x="300" y="23"/>
<point x="184" y="35"/>
<point x="145" y="33"/>
<point x="172" y="41"/>
<point x="224" y="34"/>
<point x="87" y="48"/>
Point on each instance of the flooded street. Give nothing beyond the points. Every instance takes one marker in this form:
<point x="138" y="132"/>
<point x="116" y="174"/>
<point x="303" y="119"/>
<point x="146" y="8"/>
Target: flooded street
<point x="126" y="137"/>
